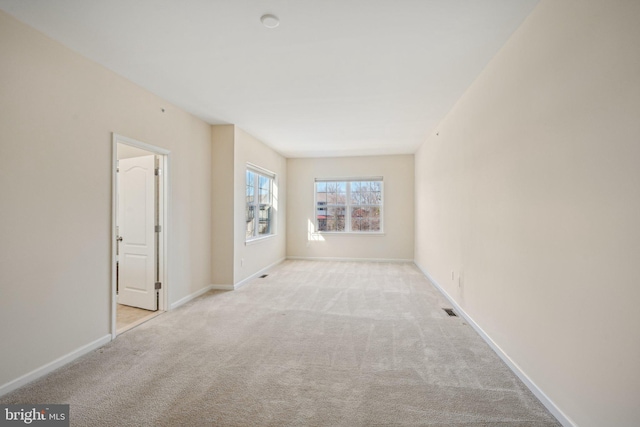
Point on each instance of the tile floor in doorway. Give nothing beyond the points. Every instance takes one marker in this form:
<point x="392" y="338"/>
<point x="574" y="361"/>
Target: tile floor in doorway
<point x="128" y="317"/>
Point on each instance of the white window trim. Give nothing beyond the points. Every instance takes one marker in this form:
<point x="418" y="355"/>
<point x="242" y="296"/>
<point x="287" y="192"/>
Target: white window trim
<point x="272" y="175"/>
<point x="348" y="206"/>
<point x="260" y="239"/>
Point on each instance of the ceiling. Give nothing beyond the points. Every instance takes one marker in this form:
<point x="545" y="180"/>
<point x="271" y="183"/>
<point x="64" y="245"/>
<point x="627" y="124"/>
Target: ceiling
<point x="335" y="78"/>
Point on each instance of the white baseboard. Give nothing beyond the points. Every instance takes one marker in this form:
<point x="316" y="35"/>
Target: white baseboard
<point x="544" y="399"/>
<point x="190" y="297"/>
<point x="259" y="273"/>
<point x="302" y="258"/>
<point x="52" y="366"/>
<point x="221" y="287"/>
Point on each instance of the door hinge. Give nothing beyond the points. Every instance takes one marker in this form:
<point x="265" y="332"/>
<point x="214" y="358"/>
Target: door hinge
<point x="158" y="171"/>
<point x="158" y="285"/>
<point x="158" y="228"/>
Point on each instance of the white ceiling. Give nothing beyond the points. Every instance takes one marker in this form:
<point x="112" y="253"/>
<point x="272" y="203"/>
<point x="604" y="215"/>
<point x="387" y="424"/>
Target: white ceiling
<point x="337" y="77"/>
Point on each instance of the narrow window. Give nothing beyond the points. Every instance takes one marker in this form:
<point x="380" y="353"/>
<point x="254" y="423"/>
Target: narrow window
<point x="259" y="214"/>
<point x="349" y="206"/>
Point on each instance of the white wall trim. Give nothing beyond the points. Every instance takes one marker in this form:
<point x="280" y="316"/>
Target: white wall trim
<point x="52" y="366"/>
<point x="258" y="273"/>
<point x="544" y="399"/>
<point x="164" y="215"/>
<point x="222" y="287"/>
<point x="401" y="261"/>
<point x="191" y="296"/>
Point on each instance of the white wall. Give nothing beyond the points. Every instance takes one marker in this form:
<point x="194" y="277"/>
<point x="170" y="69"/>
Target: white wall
<point x="233" y="259"/>
<point x="223" y="213"/>
<point x="57" y="113"/>
<point x="397" y="241"/>
<point x="531" y="192"/>
<point x="251" y="258"/>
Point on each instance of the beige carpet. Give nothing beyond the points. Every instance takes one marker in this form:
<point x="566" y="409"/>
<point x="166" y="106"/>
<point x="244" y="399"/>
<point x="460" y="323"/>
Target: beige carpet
<point x="312" y="344"/>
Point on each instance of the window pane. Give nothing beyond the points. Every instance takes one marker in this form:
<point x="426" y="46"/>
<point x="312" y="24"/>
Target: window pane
<point x="321" y="220"/>
<point x="341" y="193"/>
<point x="250" y="198"/>
<point x="321" y="211"/>
<point x="264" y="220"/>
<point x="336" y="193"/>
<point x="375" y="219"/>
<point x="249" y="221"/>
<point x="321" y="192"/>
<point x="356" y="198"/>
<point x="335" y="219"/>
<point x="332" y="196"/>
<point x="250" y="190"/>
<point x="259" y="212"/>
<point x="249" y="212"/>
<point x="365" y="218"/>
<point x="264" y="189"/>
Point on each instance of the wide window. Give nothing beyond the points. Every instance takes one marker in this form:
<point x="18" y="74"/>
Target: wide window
<point x="259" y="211"/>
<point x="349" y="206"/>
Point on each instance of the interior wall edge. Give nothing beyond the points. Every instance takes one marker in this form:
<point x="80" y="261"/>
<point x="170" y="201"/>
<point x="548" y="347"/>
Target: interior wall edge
<point x="189" y="297"/>
<point x="532" y="386"/>
<point x="223" y="287"/>
<point x="53" y="365"/>
<point x="343" y="259"/>
<point x="258" y="273"/>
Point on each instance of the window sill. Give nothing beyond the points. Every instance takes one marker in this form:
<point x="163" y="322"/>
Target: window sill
<point x="258" y="239"/>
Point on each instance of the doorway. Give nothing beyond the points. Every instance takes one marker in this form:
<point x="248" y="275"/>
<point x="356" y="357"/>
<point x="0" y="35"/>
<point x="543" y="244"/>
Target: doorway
<point x="139" y="208"/>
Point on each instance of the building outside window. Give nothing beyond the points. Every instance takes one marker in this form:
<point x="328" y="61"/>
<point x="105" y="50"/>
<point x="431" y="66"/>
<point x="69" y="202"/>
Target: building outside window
<point x="259" y="215"/>
<point x="349" y="205"/>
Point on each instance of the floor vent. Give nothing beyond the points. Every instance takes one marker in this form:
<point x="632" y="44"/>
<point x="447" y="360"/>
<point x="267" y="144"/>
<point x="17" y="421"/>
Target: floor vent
<point x="263" y="276"/>
<point x="450" y="312"/>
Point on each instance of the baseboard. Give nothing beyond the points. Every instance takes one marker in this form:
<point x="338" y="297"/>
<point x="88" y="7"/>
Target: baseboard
<point x="259" y="273"/>
<point x="52" y="366"/>
<point x="221" y="287"/>
<point x="302" y="258"/>
<point x="544" y="399"/>
<point x="190" y="297"/>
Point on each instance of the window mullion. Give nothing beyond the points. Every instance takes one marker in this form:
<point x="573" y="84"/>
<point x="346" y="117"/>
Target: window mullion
<point x="256" y="206"/>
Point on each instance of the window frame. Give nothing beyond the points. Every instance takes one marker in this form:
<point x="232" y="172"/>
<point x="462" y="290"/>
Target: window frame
<point x="271" y="176"/>
<point x="349" y="205"/>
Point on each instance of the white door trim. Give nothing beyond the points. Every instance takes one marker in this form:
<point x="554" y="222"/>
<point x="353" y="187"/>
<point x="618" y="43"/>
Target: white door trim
<point x="163" y="303"/>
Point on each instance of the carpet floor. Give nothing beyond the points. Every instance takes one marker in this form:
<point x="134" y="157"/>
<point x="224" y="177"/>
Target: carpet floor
<point x="312" y="344"/>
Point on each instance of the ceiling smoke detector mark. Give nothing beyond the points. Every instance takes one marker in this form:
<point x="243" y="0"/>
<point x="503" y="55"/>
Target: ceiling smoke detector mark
<point x="263" y="276"/>
<point x="269" y="20"/>
<point x="450" y="312"/>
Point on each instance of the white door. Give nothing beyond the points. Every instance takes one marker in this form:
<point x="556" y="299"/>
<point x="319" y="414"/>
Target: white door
<point x="136" y="222"/>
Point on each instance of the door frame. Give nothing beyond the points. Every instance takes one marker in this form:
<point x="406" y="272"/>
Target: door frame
<point x="163" y="213"/>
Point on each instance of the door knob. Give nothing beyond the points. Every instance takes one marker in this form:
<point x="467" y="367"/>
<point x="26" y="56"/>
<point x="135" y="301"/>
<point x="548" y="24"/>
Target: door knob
<point x="119" y="238"/>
